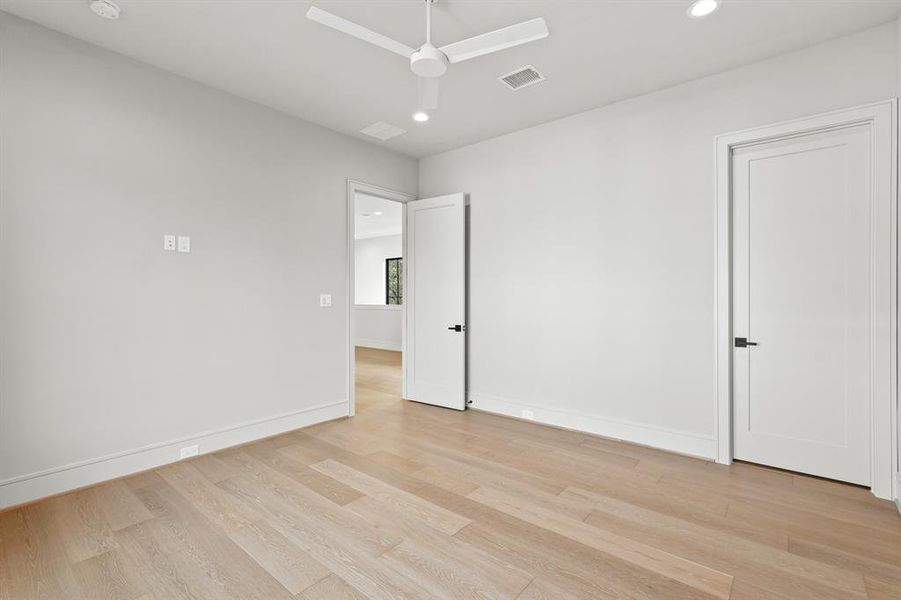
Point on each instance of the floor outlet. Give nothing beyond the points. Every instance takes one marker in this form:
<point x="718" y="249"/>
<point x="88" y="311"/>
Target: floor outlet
<point x="188" y="451"/>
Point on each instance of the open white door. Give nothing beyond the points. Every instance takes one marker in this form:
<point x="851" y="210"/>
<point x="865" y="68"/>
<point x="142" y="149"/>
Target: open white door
<point x="436" y="301"/>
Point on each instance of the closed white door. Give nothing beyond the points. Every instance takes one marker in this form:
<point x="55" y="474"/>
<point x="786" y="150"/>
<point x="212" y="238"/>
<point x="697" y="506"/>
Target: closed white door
<point x="436" y="301"/>
<point x="801" y="303"/>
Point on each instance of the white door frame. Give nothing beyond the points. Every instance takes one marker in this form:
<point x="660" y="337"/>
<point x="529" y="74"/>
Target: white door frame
<point x="881" y="117"/>
<point x="353" y="187"/>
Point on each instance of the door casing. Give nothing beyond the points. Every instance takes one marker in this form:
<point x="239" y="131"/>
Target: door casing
<point x="881" y="117"/>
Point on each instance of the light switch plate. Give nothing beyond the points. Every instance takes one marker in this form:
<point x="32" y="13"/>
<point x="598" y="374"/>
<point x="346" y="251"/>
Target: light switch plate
<point x="325" y="300"/>
<point x="169" y="243"/>
<point x="184" y="243"/>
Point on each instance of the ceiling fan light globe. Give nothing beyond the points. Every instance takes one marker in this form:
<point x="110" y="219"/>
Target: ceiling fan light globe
<point x="429" y="61"/>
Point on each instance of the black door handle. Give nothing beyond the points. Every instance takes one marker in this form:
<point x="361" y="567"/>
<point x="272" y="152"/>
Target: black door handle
<point x="743" y="342"/>
<point x="457" y="328"/>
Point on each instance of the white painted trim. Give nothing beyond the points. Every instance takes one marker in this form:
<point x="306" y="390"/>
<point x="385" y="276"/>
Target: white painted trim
<point x="897" y="495"/>
<point x="26" y="488"/>
<point x="393" y="307"/>
<point x="379" y="345"/>
<point x="882" y="117"/>
<point x="682" y="442"/>
<point x="378" y="234"/>
<point x="353" y="187"/>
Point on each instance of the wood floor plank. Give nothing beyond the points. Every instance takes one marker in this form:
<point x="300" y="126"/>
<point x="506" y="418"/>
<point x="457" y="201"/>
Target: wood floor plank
<point x="166" y="574"/>
<point x="696" y="575"/>
<point x="35" y="559"/>
<point x="444" y="480"/>
<point x="109" y="576"/>
<point x="205" y="497"/>
<point x="332" y="588"/>
<point x="878" y="589"/>
<point x="260" y="485"/>
<point x="439" y="562"/>
<point x="294" y="568"/>
<point x="332" y="541"/>
<point x="325" y="486"/>
<point x="119" y="506"/>
<point x="211" y="563"/>
<point x="878" y="544"/>
<point x="539" y="589"/>
<point x="411" y="501"/>
<point x="77" y="520"/>
<point x="212" y="468"/>
<point x="435" y="516"/>
<point x="764" y="566"/>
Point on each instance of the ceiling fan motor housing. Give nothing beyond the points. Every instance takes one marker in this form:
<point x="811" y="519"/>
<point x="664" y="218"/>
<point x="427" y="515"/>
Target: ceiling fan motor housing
<point x="428" y="61"/>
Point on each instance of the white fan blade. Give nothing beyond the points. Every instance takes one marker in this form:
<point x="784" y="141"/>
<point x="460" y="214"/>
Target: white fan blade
<point x="358" y="31"/>
<point x="495" y="41"/>
<point x="428" y="93"/>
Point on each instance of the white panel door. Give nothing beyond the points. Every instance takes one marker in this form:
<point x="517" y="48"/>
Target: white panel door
<point x="801" y="285"/>
<point x="436" y="301"/>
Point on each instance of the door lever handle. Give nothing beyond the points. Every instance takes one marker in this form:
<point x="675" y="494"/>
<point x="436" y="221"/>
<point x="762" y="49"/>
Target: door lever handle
<point x="457" y="328"/>
<point x="741" y="342"/>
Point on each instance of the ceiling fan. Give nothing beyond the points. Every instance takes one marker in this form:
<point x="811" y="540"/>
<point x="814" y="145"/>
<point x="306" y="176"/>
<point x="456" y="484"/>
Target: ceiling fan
<point x="429" y="63"/>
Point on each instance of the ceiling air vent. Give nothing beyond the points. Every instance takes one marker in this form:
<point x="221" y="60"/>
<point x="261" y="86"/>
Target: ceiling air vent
<point x="383" y="131"/>
<point x="522" y="77"/>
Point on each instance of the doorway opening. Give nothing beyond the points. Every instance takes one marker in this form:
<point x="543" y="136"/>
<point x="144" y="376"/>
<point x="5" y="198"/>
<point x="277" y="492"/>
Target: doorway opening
<point x="376" y="319"/>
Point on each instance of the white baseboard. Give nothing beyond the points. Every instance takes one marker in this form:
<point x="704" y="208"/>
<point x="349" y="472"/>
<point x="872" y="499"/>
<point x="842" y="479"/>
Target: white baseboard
<point x="379" y="344"/>
<point x="26" y="488"/>
<point x="898" y="492"/>
<point x="692" y="444"/>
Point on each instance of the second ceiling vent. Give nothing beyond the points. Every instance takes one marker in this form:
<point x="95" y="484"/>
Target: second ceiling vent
<point x="522" y="77"/>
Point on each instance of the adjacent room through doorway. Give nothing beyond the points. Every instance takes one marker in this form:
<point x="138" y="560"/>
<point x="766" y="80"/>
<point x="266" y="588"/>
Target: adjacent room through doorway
<point x="378" y="300"/>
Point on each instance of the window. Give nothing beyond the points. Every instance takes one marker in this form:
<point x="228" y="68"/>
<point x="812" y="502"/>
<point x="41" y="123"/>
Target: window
<point x="394" y="281"/>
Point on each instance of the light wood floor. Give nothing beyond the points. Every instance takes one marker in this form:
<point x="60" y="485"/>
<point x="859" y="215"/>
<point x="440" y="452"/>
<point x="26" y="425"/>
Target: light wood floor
<point x="411" y="501"/>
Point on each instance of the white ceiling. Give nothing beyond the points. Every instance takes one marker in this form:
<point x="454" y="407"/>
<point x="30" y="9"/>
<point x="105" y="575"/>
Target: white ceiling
<point x="598" y="52"/>
<point x="368" y="224"/>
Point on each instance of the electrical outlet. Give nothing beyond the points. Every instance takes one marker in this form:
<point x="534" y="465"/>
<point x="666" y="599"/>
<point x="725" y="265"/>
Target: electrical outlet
<point x="528" y="414"/>
<point x="188" y="451"/>
<point x="184" y="243"/>
<point x="169" y="243"/>
<point x="325" y="300"/>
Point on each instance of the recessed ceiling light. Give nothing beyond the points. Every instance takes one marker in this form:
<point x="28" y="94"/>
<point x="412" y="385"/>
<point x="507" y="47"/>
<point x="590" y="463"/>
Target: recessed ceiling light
<point x="702" y="8"/>
<point x="420" y="116"/>
<point x="106" y="9"/>
<point x="378" y="213"/>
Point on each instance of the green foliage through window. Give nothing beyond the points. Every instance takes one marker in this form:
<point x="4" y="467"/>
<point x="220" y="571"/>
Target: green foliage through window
<point x="394" y="281"/>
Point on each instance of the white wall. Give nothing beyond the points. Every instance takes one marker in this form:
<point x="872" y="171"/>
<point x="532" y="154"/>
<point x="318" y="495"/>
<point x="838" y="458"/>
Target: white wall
<point x="115" y="353"/>
<point x="369" y="266"/>
<point x="378" y="327"/>
<point x="592" y="244"/>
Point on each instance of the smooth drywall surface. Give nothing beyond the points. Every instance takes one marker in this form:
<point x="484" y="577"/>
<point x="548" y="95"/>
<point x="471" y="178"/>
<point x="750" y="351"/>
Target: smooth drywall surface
<point x="369" y="266"/>
<point x="378" y="327"/>
<point x="592" y="243"/>
<point x="110" y="344"/>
